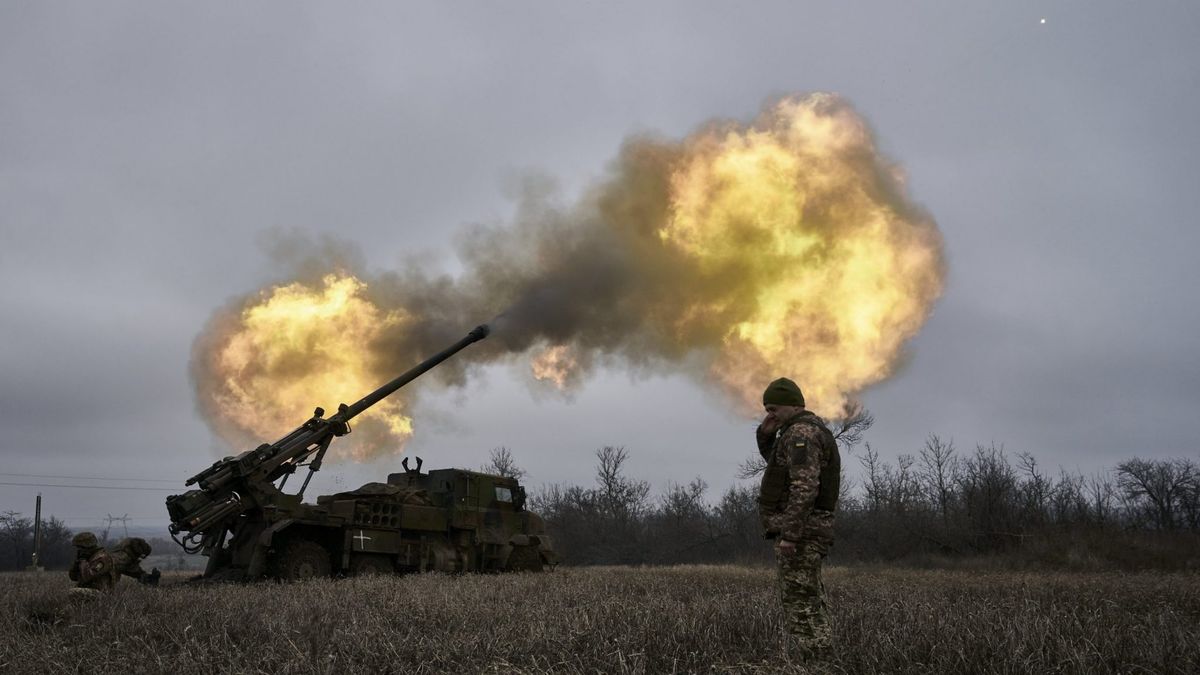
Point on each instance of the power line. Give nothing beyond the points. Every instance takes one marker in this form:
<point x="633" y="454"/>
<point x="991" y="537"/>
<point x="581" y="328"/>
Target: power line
<point x="96" y="487"/>
<point x="45" y="475"/>
<point x="101" y="518"/>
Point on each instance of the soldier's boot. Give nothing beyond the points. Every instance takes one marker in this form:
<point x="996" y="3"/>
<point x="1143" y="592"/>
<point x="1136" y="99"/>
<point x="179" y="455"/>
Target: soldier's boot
<point x="804" y="656"/>
<point x="810" y="637"/>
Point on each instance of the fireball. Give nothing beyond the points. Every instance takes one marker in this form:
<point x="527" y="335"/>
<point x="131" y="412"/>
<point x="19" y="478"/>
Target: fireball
<point x="294" y="347"/>
<point x="835" y="273"/>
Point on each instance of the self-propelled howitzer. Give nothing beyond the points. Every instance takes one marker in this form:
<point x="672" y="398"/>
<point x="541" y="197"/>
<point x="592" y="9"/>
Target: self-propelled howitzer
<point x="237" y="511"/>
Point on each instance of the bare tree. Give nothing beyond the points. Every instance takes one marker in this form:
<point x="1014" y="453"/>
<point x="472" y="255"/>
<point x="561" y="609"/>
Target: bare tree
<point x="753" y="466"/>
<point x="874" y="481"/>
<point x="1100" y="493"/>
<point x="620" y="496"/>
<point x="1189" y="503"/>
<point x="849" y="429"/>
<point x="938" y="472"/>
<point x="904" y="492"/>
<point x="16" y="537"/>
<point x="501" y="463"/>
<point x="683" y="525"/>
<point x="1160" y="485"/>
<point x="1068" y="503"/>
<point x="1035" y="488"/>
<point x="988" y="486"/>
<point x="684" y="501"/>
<point x="737" y="518"/>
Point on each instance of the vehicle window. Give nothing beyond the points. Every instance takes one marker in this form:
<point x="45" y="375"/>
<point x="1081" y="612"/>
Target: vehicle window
<point x="503" y="494"/>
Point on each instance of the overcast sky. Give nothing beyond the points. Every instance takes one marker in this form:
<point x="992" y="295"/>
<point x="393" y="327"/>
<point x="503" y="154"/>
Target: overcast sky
<point x="145" y="149"/>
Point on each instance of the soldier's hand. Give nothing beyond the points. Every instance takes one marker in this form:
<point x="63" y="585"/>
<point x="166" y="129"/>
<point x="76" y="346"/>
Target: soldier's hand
<point x="769" y="425"/>
<point x="786" y="547"/>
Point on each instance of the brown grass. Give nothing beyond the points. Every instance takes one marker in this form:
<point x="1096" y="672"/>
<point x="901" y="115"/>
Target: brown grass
<point x="608" y="620"/>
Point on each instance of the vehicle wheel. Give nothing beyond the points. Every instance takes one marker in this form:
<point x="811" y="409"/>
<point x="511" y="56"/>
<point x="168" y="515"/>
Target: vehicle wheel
<point x="302" y="559"/>
<point x="525" y="559"/>
<point x="365" y="565"/>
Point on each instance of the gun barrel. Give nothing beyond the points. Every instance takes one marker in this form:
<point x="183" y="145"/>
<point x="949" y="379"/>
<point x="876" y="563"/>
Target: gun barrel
<point x="478" y="333"/>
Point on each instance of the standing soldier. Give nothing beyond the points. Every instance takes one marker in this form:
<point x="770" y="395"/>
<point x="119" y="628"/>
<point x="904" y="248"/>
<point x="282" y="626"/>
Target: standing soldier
<point x="797" y="501"/>
<point x="93" y="568"/>
<point x="127" y="555"/>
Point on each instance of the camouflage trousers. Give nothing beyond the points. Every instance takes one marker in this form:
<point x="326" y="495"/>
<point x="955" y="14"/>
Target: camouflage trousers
<point x="806" y="616"/>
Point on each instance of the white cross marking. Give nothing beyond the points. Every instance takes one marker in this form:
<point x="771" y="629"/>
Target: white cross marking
<point x="361" y="538"/>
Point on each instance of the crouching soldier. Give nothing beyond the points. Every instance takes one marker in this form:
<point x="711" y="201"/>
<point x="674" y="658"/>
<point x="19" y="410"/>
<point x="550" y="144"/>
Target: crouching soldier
<point x="93" y="567"/>
<point x="127" y="556"/>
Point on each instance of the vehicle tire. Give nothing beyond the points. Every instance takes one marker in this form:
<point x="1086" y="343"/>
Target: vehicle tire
<point x="366" y="564"/>
<point x="302" y="559"/>
<point x="525" y="559"/>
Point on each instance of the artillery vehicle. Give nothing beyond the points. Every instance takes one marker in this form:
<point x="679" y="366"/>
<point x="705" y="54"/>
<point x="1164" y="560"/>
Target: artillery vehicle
<point x="448" y="520"/>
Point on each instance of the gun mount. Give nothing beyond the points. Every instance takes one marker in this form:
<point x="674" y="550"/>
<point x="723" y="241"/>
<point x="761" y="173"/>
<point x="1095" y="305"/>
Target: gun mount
<point x="249" y="527"/>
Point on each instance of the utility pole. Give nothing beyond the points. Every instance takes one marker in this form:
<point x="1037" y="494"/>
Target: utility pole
<point x="37" y="535"/>
<point x="110" y="519"/>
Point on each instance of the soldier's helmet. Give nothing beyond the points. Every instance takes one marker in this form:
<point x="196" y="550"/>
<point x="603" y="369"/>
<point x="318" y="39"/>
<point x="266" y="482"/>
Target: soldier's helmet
<point x="85" y="540"/>
<point x="136" y="546"/>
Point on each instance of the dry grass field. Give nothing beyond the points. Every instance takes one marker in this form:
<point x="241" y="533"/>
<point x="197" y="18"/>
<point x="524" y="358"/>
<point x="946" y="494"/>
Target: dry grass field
<point x="608" y="620"/>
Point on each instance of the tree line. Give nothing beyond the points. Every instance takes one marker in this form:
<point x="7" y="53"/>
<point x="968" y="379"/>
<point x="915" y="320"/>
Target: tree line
<point x="16" y="543"/>
<point x="932" y="507"/>
<point x="935" y="505"/>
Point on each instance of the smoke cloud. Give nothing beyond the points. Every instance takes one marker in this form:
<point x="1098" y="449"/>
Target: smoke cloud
<point x="741" y="253"/>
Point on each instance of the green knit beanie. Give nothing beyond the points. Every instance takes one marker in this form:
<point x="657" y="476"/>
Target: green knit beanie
<point x="783" y="392"/>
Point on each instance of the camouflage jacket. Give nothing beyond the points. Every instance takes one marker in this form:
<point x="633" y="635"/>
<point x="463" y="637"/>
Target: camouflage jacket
<point x="126" y="559"/>
<point x="94" y="569"/>
<point x="128" y="564"/>
<point x="799" y="490"/>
